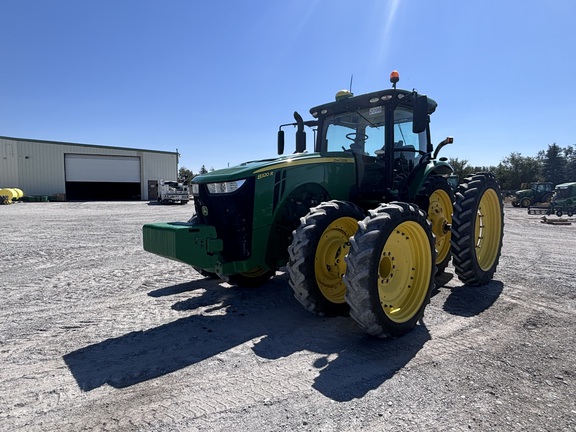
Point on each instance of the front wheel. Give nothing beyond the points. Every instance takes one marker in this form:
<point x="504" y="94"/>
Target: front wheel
<point x="391" y="268"/>
<point x="525" y="203"/>
<point x="477" y="229"/>
<point x="251" y="279"/>
<point x="316" y="264"/>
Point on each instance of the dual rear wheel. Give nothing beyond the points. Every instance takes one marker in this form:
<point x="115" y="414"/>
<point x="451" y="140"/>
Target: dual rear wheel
<point x="392" y="255"/>
<point x="391" y="268"/>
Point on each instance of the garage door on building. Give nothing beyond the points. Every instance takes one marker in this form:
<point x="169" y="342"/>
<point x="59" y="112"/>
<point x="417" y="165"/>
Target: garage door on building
<point x="102" y="177"/>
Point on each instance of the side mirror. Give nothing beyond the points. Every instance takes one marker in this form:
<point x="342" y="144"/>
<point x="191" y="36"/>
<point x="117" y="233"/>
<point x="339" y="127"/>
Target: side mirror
<point x="420" y="115"/>
<point x="280" y="142"/>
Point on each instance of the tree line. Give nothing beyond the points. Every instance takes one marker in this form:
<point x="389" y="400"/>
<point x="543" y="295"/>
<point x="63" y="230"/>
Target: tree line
<point x="556" y="164"/>
<point x="186" y="175"/>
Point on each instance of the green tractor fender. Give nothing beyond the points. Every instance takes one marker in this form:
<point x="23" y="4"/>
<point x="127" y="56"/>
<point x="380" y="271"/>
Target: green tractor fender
<point x="297" y="189"/>
<point x="290" y="209"/>
<point x="421" y="174"/>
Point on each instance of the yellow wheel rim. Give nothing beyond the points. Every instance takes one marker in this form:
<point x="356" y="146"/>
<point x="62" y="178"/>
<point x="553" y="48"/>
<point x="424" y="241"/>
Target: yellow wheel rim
<point x="440" y="216"/>
<point x="329" y="264"/>
<point x="488" y="229"/>
<point x="254" y="273"/>
<point x="404" y="271"/>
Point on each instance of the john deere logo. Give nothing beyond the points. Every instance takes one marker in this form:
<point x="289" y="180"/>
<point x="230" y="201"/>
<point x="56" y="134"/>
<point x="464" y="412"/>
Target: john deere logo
<point x="205" y="210"/>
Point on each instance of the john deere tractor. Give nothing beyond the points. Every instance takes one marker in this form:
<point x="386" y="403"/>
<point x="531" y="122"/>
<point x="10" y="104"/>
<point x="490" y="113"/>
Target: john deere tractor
<point x="539" y="192"/>
<point x="363" y="223"/>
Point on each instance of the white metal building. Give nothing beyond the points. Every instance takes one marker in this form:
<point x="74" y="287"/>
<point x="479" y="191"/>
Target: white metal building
<point x="82" y="171"/>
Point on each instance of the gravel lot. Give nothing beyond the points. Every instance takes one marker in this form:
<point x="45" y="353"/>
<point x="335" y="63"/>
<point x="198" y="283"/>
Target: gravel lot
<point x="96" y="334"/>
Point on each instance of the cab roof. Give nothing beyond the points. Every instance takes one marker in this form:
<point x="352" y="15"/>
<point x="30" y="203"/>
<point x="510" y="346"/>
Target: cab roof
<point x="404" y="98"/>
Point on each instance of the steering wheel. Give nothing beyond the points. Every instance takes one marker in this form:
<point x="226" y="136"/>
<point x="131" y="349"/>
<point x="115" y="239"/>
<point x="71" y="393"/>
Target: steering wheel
<point x="354" y="136"/>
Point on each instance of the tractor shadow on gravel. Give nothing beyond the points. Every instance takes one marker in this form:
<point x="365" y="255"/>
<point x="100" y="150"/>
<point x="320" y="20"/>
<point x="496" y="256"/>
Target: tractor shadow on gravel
<point x="345" y="361"/>
<point x="469" y="301"/>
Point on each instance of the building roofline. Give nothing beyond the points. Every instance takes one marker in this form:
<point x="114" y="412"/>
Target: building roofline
<point x="87" y="145"/>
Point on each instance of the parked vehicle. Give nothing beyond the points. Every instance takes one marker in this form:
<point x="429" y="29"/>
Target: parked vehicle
<point x="173" y="192"/>
<point x="539" y="192"/>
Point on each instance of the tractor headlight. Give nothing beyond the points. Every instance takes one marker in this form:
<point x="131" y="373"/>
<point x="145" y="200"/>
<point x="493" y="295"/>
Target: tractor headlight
<point x="225" y="187"/>
<point x="195" y="189"/>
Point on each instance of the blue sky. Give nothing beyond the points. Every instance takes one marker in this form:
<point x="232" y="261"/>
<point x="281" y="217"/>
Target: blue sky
<point x="215" y="79"/>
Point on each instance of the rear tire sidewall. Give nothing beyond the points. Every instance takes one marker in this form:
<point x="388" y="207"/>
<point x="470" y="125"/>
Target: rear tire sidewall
<point x="464" y="248"/>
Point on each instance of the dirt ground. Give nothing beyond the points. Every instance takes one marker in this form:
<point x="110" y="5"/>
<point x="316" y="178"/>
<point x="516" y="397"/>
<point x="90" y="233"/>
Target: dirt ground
<point x="96" y="334"/>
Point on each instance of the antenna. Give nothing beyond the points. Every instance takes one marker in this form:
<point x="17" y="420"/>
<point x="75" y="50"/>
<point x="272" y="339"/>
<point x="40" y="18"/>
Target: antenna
<point x="351" y="78"/>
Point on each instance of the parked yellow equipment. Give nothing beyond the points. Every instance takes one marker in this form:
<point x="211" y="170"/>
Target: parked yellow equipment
<point x="8" y="195"/>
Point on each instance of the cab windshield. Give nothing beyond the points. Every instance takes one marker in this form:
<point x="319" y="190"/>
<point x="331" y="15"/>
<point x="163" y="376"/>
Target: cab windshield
<point x="562" y="193"/>
<point x="362" y="131"/>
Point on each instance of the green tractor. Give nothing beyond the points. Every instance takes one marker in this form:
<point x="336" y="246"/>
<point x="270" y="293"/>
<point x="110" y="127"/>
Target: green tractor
<point x="363" y="224"/>
<point x="539" y="192"/>
<point x="563" y="202"/>
<point x="564" y="199"/>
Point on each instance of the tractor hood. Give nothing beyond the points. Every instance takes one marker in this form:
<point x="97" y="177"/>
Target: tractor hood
<point x="524" y="192"/>
<point x="248" y="169"/>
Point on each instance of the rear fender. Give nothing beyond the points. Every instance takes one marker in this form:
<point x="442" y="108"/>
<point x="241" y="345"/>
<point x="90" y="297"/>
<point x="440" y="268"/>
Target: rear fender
<point x="441" y="168"/>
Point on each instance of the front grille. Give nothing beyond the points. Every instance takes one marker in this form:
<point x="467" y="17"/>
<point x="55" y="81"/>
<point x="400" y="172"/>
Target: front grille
<point x="231" y="214"/>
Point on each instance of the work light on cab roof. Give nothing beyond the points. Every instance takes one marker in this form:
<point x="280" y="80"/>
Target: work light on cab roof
<point x="394" y="78"/>
<point x="346" y="94"/>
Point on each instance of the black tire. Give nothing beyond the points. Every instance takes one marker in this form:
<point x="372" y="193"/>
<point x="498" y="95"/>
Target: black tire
<point x="251" y="279"/>
<point x="525" y="203"/>
<point x="437" y="197"/>
<point x="205" y="273"/>
<point x="316" y="264"/>
<point x="391" y="268"/>
<point x="477" y="229"/>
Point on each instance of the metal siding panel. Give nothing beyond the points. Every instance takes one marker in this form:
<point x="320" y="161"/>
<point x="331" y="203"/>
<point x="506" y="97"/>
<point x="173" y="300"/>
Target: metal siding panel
<point x="8" y="164"/>
<point x="102" y="168"/>
<point x="41" y="168"/>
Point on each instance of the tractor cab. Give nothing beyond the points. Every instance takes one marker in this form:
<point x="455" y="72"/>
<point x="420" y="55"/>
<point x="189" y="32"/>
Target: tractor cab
<point x="565" y="193"/>
<point x="387" y="134"/>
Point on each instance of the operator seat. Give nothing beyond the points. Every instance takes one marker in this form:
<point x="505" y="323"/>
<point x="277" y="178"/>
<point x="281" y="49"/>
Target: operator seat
<point x="404" y="154"/>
